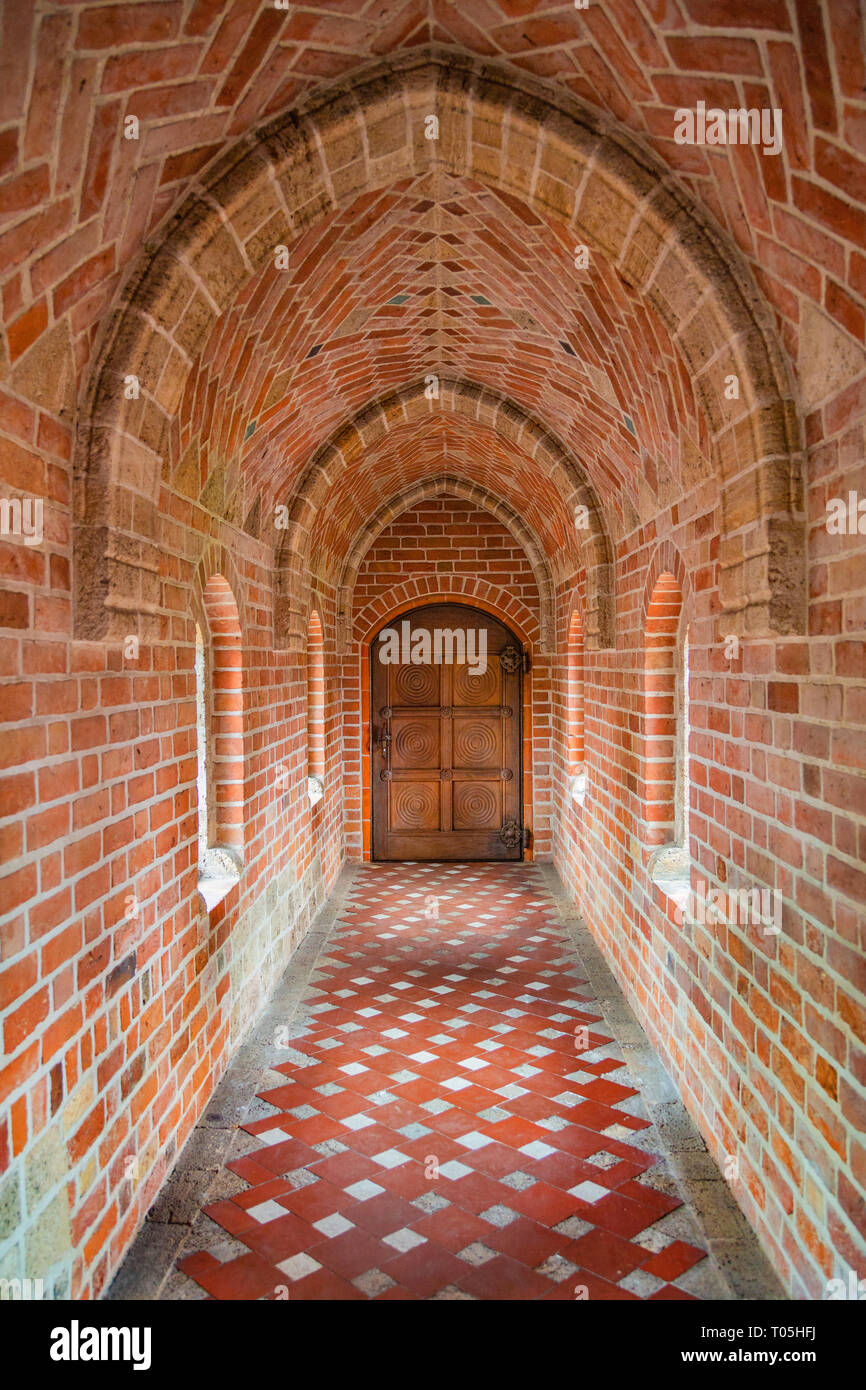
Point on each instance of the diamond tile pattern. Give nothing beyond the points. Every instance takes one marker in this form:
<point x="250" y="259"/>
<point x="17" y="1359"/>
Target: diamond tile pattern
<point x="439" y="1134"/>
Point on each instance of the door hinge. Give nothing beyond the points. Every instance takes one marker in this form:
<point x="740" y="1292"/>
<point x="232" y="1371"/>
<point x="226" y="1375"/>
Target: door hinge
<point x="525" y="837"/>
<point x="525" y="660"/>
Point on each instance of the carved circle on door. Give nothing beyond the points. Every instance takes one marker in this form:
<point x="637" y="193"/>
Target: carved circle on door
<point x="416" y="744"/>
<point x="475" y="743"/>
<point x="475" y="689"/>
<point x="415" y="805"/>
<point x="475" y="808"/>
<point x="416" y="685"/>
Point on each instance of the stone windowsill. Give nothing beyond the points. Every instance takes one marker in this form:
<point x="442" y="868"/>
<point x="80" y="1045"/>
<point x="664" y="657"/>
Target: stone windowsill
<point x="218" y="873"/>
<point x="213" y="890"/>
<point x="670" y="870"/>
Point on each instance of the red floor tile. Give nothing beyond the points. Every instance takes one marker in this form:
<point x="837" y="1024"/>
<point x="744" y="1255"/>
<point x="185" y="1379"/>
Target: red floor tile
<point x="504" y="1278"/>
<point x="477" y="1192"/>
<point x="323" y="1286"/>
<point x="546" y="1204"/>
<point x="317" y="1128"/>
<point x="262" y="1192"/>
<point x="595" y="1289"/>
<point x="527" y="1241"/>
<point x="454" y="1228"/>
<point x="248" y="1277"/>
<point x="344" y="1169"/>
<point x="230" y="1216"/>
<point x="283" y="1158"/>
<point x="352" y="1253"/>
<point x="622" y="1215"/>
<point x="382" y="1215"/>
<point x="251" y="1170"/>
<point x="407" y="1181"/>
<point x="316" y="1201"/>
<point x="674" y="1260"/>
<point x="277" y="1240"/>
<point x="498" y="1160"/>
<point x="606" y="1254"/>
<point x="425" y="1269"/>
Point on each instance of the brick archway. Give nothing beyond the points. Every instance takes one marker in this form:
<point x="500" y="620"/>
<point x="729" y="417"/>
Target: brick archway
<point x="417" y="594"/>
<point x="474" y="403"/>
<point x="666" y="559"/>
<point x="217" y="559"/>
<point x="665" y="614"/>
<point x="493" y="129"/>
<point x="573" y="740"/>
<point x="469" y="492"/>
<point x="456" y="589"/>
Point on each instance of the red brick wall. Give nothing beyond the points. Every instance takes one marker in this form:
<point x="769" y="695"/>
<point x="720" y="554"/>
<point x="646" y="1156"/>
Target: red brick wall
<point x="443" y="537"/>
<point x="121" y="998"/>
<point x="766" y="1035"/>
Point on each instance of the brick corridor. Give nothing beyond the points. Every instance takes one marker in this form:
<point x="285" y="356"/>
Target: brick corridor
<point x="450" y="1041"/>
<point x="313" y="317"/>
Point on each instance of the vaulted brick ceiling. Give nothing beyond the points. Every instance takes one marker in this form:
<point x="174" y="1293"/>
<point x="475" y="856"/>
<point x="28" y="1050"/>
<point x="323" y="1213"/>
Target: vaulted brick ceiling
<point x="442" y="278"/>
<point x="200" y="73"/>
<point x="425" y="450"/>
<point x="443" y="274"/>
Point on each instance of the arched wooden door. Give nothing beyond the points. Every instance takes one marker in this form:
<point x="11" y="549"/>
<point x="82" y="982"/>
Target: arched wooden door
<point x="446" y="687"/>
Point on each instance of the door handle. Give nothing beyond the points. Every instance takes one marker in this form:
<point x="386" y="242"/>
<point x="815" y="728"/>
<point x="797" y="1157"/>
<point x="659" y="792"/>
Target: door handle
<point x="385" y="743"/>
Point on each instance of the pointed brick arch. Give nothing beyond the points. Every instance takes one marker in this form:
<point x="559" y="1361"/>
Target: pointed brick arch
<point x="503" y="133"/>
<point x="217" y="559"/>
<point x="665" y="603"/>
<point x="426" y="589"/>
<point x="221" y="636"/>
<point x="315" y="697"/>
<point x="471" y="401"/>
<point x="422" y="492"/>
<point x="666" y="559"/>
<point x="574" y="741"/>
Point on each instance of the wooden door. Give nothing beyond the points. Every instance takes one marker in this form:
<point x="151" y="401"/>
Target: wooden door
<point x="446" y="737"/>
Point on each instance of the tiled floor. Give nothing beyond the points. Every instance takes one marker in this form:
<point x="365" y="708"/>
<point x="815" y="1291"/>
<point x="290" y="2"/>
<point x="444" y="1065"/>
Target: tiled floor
<point x="453" y="1122"/>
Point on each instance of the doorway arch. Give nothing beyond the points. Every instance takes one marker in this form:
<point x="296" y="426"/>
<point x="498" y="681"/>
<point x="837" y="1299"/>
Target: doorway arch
<point x="445" y="736"/>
